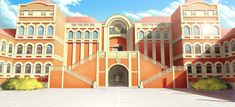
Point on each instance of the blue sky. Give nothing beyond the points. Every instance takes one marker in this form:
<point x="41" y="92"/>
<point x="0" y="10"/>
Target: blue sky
<point x="134" y="9"/>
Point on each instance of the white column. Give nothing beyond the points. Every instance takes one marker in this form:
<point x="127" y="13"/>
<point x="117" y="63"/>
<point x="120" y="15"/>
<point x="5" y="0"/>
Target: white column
<point x="138" y="69"/>
<point x="90" y="48"/>
<point x="74" y="53"/>
<point x="130" y="69"/>
<point x="106" y="69"/>
<point x="162" y="52"/>
<point x="97" y="69"/>
<point x="145" y="44"/>
<point x="82" y="51"/>
<point x="154" y="49"/>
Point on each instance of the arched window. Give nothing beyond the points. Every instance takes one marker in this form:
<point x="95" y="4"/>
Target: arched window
<point x="199" y="68"/>
<point x="47" y="68"/>
<point x="50" y="30"/>
<point x="149" y="35"/>
<point x="40" y="30"/>
<point x="208" y="49"/>
<point x="10" y="48"/>
<point x="198" y="49"/>
<point x="8" y="68"/>
<point x="21" y="30"/>
<point x="95" y="35"/>
<point x="233" y="45"/>
<point x="189" y="68"/>
<point x="226" y="48"/>
<point x="31" y="30"/>
<point x="215" y="30"/>
<point x="141" y="35"/>
<point x="166" y="34"/>
<point x="38" y="68"/>
<point x="49" y="49"/>
<point x="19" y="49"/>
<point x="219" y="68"/>
<point x="208" y="68"/>
<point x="233" y="66"/>
<point x="29" y="49"/>
<point x="28" y="68"/>
<point x="158" y="34"/>
<point x="3" y="46"/>
<point x="227" y="68"/>
<point x="196" y="30"/>
<point x="79" y="35"/>
<point x="187" y="49"/>
<point x="217" y="49"/>
<point x="1" y="67"/>
<point x="87" y="35"/>
<point x="186" y="30"/>
<point x="39" y="49"/>
<point x="70" y="35"/>
<point x="18" y="68"/>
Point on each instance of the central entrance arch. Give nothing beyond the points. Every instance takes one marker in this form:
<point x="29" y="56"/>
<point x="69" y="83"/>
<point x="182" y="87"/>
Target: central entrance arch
<point x="118" y="76"/>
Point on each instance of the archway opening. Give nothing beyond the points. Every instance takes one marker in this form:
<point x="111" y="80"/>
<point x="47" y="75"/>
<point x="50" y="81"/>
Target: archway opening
<point x="118" y="76"/>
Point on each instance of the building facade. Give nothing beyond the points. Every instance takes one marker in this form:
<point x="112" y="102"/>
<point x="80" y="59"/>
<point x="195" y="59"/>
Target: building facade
<point x="154" y="52"/>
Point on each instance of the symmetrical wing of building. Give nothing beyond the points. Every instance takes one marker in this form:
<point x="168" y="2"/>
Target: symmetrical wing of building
<point x="70" y="52"/>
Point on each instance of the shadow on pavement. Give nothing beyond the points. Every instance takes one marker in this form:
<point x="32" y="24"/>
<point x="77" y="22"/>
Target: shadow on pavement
<point x="228" y="95"/>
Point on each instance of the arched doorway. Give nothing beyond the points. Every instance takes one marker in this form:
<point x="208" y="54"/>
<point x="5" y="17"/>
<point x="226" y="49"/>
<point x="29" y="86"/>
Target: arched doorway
<point x="118" y="76"/>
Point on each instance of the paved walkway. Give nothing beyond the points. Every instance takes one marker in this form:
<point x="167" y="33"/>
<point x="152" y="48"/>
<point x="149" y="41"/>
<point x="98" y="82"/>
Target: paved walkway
<point x="115" y="97"/>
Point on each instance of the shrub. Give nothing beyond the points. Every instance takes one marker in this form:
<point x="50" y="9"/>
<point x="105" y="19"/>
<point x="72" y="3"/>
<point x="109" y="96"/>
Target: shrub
<point x="22" y="84"/>
<point x="210" y="84"/>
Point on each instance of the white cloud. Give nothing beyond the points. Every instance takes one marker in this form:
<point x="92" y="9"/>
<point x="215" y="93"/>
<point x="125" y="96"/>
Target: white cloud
<point x="64" y="6"/>
<point x="8" y="13"/>
<point x="167" y="11"/>
<point x="226" y="12"/>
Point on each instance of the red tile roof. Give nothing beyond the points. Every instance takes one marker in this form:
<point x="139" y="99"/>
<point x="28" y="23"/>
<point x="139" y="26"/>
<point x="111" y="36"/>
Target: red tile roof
<point x="155" y="19"/>
<point x="81" y="20"/>
<point x="9" y="32"/>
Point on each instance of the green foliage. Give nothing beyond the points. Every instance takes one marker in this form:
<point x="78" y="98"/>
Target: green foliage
<point x="210" y="84"/>
<point x="22" y="84"/>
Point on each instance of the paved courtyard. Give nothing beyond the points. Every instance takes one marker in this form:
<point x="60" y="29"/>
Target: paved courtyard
<point x="116" y="97"/>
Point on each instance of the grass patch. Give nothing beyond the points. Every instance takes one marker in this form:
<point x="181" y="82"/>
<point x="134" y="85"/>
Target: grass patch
<point x="211" y="84"/>
<point x="22" y="84"/>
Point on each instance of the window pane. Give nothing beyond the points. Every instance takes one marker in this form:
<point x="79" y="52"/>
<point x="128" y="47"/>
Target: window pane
<point x="18" y="68"/>
<point x="10" y="48"/>
<point x="208" y="49"/>
<point x="149" y="36"/>
<point x="199" y="68"/>
<point x="49" y="49"/>
<point x="158" y="33"/>
<point x="31" y="30"/>
<point x="38" y="68"/>
<point x="208" y="68"/>
<point x="39" y="49"/>
<point x="227" y="68"/>
<point x="70" y="35"/>
<point x="233" y="45"/>
<point x="141" y="35"/>
<point x="166" y="35"/>
<point x="48" y="66"/>
<point x="50" y="30"/>
<point x="226" y="48"/>
<point x="29" y="49"/>
<point x="78" y="35"/>
<point x="189" y="68"/>
<point x="219" y="68"/>
<point x="186" y="30"/>
<point x="21" y="30"/>
<point x="1" y="67"/>
<point x="217" y="49"/>
<point x="95" y="35"/>
<point x="187" y="49"/>
<point x="28" y="68"/>
<point x="19" y="49"/>
<point x="196" y="30"/>
<point x="40" y="30"/>
<point x="197" y="49"/>
<point x="8" y="68"/>
<point x="87" y="35"/>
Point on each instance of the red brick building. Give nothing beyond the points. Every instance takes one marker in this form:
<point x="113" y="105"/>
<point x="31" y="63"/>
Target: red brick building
<point x="154" y="52"/>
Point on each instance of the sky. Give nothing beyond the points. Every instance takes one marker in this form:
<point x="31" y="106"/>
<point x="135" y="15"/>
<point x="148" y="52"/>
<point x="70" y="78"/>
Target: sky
<point x="102" y="9"/>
